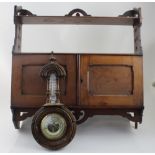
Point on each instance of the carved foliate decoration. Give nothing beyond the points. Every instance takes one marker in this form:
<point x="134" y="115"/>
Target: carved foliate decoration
<point x="131" y="13"/>
<point x="52" y="67"/>
<point x="22" y="12"/>
<point x="77" y="12"/>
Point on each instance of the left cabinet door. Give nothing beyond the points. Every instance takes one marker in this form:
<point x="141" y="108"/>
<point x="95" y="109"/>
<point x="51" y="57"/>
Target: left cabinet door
<point x="29" y="89"/>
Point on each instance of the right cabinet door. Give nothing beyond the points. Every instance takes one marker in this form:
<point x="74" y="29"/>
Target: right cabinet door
<point x="111" y="80"/>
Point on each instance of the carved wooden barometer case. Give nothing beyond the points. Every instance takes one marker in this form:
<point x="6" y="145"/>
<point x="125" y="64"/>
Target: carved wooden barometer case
<point x="62" y="90"/>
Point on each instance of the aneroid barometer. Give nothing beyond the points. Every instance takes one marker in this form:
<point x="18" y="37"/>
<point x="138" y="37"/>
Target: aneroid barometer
<point x="53" y="125"/>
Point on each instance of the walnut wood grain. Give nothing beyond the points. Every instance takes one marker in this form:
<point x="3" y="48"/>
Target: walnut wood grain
<point x="109" y="97"/>
<point x="86" y="20"/>
<point x="28" y="89"/>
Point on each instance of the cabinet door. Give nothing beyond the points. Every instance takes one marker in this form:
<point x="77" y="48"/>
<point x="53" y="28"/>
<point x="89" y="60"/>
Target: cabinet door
<point x="111" y="81"/>
<point x="29" y="89"/>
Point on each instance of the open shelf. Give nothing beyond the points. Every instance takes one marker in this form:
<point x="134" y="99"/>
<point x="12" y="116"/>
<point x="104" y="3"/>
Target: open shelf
<point x="78" y="17"/>
<point x="82" y="20"/>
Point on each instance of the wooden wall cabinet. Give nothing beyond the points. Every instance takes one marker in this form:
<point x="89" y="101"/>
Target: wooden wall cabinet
<point x="96" y="84"/>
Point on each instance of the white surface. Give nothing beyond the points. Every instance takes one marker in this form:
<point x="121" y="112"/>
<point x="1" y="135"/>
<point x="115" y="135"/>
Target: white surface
<point x="100" y="133"/>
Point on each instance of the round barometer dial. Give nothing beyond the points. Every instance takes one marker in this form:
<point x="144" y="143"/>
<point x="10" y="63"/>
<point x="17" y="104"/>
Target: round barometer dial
<point x="53" y="126"/>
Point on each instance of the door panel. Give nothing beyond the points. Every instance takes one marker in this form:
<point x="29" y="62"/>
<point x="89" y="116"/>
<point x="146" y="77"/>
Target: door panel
<point x="29" y="89"/>
<point x="111" y="81"/>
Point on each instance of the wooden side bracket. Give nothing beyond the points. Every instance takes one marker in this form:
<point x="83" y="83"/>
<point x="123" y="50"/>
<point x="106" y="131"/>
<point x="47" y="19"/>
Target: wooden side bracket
<point x="18" y="32"/>
<point x="18" y="11"/>
<point x="137" y="33"/>
<point x="20" y="114"/>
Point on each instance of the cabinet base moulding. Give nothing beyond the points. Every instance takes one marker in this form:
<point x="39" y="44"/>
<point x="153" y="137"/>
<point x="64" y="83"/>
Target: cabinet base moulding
<point x="82" y="114"/>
